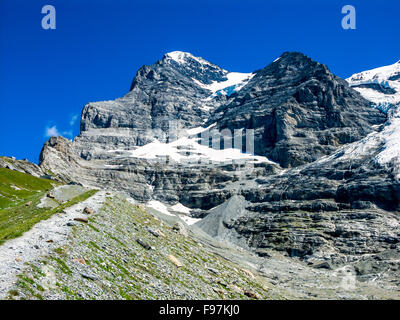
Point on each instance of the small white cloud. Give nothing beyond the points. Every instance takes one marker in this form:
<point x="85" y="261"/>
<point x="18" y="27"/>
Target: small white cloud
<point x="73" y="120"/>
<point x="52" y="132"/>
<point x="67" y="133"/>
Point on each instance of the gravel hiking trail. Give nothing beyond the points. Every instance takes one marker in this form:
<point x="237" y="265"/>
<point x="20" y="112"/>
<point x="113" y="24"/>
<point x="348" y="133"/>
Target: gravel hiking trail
<point x="40" y="240"/>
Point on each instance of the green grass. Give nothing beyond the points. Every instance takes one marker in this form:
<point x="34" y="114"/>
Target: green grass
<point x="17" y="187"/>
<point x="19" y="218"/>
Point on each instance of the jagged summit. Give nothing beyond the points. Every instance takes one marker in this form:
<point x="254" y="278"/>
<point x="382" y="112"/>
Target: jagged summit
<point x="293" y="56"/>
<point x="179" y="56"/>
<point x="294" y="64"/>
<point x="185" y="57"/>
<point x="278" y="101"/>
<point x="177" y="64"/>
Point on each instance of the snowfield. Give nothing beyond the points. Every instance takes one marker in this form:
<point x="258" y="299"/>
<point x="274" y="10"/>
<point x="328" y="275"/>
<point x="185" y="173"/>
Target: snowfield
<point x="388" y="77"/>
<point x="386" y="97"/>
<point x="391" y="135"/>
<point x="189" y="151"/>
<point x="235" y="81"/>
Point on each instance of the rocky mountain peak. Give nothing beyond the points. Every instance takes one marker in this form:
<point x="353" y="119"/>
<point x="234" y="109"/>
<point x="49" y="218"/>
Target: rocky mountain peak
<point x="185" y="58"/>
<point x="193" y="67"/>
<point x="295" y="66"/>
<point x="295" y="104"/>
<point x="177" y="65"/>
<point x="294" y="58"/>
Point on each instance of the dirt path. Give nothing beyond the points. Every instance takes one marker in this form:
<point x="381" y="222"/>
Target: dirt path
<point x="41" y="239"/>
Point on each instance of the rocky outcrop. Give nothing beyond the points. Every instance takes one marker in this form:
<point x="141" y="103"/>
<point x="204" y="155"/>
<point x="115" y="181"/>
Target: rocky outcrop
<point x="22" y="166"/>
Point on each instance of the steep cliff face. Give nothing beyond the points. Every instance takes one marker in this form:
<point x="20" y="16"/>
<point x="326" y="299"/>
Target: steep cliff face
<point x="338" y="208"/>
<point x="299" y="111"/>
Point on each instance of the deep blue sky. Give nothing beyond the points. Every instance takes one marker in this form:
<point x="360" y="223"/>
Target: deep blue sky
<point x="47" y="76"/>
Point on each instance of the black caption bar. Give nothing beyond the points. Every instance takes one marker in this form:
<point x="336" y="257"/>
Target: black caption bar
<point x="205" y="309"/>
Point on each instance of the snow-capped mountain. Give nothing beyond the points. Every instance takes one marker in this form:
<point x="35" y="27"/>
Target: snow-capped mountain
<point x="380" y="85"/>
<point x="179" y="87"/>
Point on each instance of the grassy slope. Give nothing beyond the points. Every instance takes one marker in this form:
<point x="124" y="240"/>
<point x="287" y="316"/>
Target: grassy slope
<point x="15" y="216"/>
<point x="29" y="187"/>
<point x="120" y="268"/>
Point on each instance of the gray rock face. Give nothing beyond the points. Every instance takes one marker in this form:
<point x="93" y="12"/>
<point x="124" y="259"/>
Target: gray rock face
<point x="339" y="207"/>
<point x="198" y="186"/>
<point x="332" y="195"/>
<point x="299" y="111"/>
<point x="220" y="221"/>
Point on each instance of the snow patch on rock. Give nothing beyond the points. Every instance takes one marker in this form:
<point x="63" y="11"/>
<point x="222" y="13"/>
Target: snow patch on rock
<point x="235" y="81"/>
<point x="159" y="206"/>
<point x="387" y="77"/>
<point x="179" y="207"/>
<point x="188" y="150"/>
<point x="391" y="135"/>
<point x="183" y="58"/>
